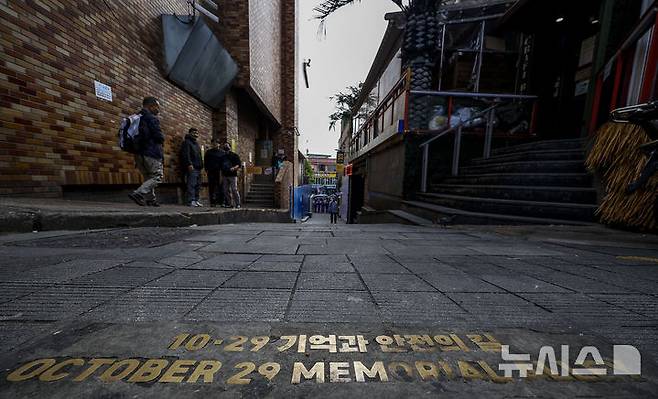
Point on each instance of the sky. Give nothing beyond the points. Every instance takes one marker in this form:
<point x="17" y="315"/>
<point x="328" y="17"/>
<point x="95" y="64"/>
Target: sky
<point x="342" y="57"/>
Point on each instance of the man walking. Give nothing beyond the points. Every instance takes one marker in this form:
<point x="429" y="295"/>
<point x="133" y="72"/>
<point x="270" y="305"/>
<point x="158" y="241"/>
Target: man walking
<point x="192" y="164"/>
<point x="213" y="160"/>
<point x="149" y="160"/>
<point x="230" y="168"/>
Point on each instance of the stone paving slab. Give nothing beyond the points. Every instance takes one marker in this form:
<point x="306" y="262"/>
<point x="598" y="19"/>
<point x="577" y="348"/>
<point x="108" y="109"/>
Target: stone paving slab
<point x="283" y="280"/>
<point x="57" y="303"/>
<point x="458" y="283"/>
<point x="328" y="268"/>
<point x="192" y="279"/>
<point x="149" y="304"/>
<point x="269" y="281"/>
<point x="333" y="306"/>
<point x="264" y="266"/>
<point x="330" y="281"/>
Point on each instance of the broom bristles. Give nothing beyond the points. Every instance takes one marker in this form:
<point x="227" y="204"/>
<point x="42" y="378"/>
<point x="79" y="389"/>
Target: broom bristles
<point x="617" y="156"/>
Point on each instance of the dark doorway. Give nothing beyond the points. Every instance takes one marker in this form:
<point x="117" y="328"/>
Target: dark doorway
<point x="357" y="189"/>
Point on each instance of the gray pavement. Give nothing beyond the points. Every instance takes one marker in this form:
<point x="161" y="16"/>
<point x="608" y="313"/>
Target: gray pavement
<point x="168" y="295"/>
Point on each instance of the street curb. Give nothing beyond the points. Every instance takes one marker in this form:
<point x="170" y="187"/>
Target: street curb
<point x="20" y="221"/>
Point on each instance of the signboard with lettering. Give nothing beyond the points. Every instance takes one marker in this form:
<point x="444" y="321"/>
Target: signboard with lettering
<point x="103" y="91"/>
<point x="254" y="170"/>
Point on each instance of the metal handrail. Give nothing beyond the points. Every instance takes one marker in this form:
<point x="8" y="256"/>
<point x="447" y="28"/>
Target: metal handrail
<point x="459" y="125"/>
<point x="490" y="111"/>
<point x="473" y="95"/>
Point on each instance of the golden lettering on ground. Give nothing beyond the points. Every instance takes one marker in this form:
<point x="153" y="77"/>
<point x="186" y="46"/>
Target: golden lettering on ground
<point x="408" y="370"/>
<point x="124" y="368"/>
<point x="94" y="364"/>
<point x="299" y="370"/>
<point x="238" y="345"/>
<point x="50" y="374"/>
<point x="338" y="372"/>
<point x="177" y="371"/>
<point x="377" y="370"/>
<point x="238" y="379"/>
<point x="150" y="370"/>
<point x="206" y="369"/>
<point x="469" y="372"/>
<point x="31" y="370"/>
<point x="269" y="370"/>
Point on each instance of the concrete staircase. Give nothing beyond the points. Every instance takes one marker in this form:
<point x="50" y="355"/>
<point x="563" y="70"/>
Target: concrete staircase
<point x="261" y="193"/>
<point x="534" y="183"/>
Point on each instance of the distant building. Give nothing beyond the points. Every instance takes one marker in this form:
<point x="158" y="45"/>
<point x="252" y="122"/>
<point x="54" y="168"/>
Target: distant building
<point x="480" y="77"/>
<point x="324" y="169"/>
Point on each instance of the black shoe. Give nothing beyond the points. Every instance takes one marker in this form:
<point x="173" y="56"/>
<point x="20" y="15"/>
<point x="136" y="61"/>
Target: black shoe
<point x="153" y="203"/>
<point x="139" y="200"/>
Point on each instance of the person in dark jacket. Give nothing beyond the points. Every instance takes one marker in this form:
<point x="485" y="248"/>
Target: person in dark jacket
<point x="333" y="210"/>
<point x="192" y="164"/>
<point x="277" y="162"/>
<point x="149" y="161"/>
<point x="230" y="167"/>
<point x="213" y="160"/>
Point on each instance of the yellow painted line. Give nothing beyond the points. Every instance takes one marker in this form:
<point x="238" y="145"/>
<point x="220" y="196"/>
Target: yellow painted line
<point x="639" y="258"/>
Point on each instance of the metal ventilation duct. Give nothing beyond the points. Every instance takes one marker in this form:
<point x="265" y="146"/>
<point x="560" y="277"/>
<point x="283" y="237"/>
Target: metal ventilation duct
<point x="196" y="61"/>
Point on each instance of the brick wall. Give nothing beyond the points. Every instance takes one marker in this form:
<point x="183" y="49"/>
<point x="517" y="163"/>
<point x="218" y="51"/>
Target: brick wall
<point x="287" y="137"/>
<point x="233" y="33"/>
<point x="53" y="129"/>
<point x="54" y="132"/>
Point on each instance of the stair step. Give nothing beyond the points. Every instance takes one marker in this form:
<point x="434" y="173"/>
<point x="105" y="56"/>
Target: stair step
<point x="459" y="216"/>
<point x="527" y="167"/>
<point x="262" y="204"/>
<point x="410" y="218"/>
<point x="547" y="155"/>
<point x="263" y="179"/>
<point x="259" y="194"/>
<point x="552" y="210"/>
<point x="543" y="145"/>
<point x="523" y="193"/>
<point x="524" y="179"/>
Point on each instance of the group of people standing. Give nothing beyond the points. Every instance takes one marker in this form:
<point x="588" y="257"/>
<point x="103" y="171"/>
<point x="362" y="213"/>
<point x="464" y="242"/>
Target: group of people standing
<point x="328" y="205"/>
<point x="220" y="162"/>
<point x="221" y="165"/>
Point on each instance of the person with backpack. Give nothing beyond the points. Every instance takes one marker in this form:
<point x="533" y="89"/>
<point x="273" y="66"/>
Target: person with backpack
<point x="213" y="164"/>
<point x="142" y="136"/>
<point x="192" y="164"/>
<point x="230" y="166"/>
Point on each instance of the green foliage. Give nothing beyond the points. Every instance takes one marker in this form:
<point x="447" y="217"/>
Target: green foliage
<point x="308" y="171"/>
<point x="346" y="101"/>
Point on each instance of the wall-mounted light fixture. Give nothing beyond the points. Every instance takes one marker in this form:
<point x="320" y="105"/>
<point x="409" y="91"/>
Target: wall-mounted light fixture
<point x="307" y="64"/>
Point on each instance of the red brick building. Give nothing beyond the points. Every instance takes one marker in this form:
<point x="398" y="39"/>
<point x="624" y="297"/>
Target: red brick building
<point x="57" y="138"/>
